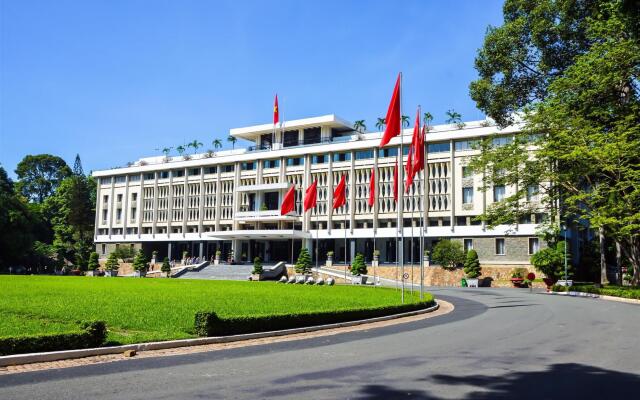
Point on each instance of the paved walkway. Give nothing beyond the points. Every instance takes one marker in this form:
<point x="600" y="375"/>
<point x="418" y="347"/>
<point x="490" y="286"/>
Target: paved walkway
<point x="497" y="344"/>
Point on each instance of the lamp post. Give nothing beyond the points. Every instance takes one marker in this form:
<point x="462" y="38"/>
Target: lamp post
<point x="564" y="229"/>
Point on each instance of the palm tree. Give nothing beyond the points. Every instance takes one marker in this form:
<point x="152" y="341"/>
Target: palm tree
<point x="217" y="143"/>
<point x="454" y="118"/>
<point x="233" y="141"/>
<point x="166" y="151"/>
<point x="359" y="125"/>
<point x="381" y="123"/>
<point x="180" y="149"/>
<point x="427" y="120"/>
<point x="195" y="144"/>
<point x="405" y="121"/>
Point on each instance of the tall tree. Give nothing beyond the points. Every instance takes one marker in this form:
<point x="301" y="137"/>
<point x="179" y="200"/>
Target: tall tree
<point x="572" y="69"/>
<point x="232" y="140"/>
<point x="359" y="125"/>
<point x="380" y="123"/>
<point x="77" y="166"/>
<point x="40" y="175"/>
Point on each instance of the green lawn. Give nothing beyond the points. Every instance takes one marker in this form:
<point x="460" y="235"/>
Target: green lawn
<point x="139" y="310"/>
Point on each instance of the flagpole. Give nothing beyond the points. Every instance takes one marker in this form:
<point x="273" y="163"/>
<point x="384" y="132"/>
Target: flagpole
<point x="401" y="197"/>
<point x="424" y="204"/>
<point x="345" y="244"/>
<point x="412" y="234"/>
<point x="317" y="239"/>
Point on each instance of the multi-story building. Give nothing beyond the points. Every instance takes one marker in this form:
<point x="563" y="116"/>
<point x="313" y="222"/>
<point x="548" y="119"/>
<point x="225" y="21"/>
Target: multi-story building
<point x="231" y="199"/>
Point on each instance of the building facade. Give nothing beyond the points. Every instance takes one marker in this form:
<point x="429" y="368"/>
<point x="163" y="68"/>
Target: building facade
<point x="230" y="200"/>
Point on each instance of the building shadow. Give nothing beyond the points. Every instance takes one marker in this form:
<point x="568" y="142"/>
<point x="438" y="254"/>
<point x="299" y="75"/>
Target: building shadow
<point x="558" y="381"/>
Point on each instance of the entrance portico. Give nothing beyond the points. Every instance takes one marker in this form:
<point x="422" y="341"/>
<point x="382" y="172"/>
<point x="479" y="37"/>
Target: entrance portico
<point x="271" y="245"/>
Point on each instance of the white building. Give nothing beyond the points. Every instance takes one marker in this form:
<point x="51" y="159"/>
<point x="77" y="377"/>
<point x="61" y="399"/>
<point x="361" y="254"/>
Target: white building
<point x="230" y="199"/>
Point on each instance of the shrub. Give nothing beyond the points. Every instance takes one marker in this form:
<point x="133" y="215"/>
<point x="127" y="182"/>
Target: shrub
<point x="93" y="261"/>
<point x="448" y="254"/>
<point x="140" y="261"/>
<point x="91" y="334"/>
<point x="210" y="324"/>
<point x="125" y="253"/>
<point x="218" y="253"/>
<point x="257" y="266"/>
<point x="303" y="265"/>
<point x="112" y="262"/>
<point x="329" y="254"/>
<point x="358" y="266"/>
<point x="166" y="266"/>
<point x="550" y="261"/>
<point x="472" y="267"/>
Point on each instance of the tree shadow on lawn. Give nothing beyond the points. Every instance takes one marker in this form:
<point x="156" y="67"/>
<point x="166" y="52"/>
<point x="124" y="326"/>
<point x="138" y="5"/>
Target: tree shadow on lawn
<point x="571" y="380"/>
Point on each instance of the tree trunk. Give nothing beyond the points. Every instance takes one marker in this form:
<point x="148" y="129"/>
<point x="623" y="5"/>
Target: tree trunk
<point x="619" y="262"/>
<point x="603" y="258"/>
<point x="631" y="248"/>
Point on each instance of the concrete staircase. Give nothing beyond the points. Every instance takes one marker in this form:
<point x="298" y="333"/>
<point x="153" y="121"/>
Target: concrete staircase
<point x="240" y="272"/>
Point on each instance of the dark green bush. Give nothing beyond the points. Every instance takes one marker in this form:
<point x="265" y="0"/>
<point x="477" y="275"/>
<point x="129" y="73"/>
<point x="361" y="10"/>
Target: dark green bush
<point x="91" y="334"/>
<point x="617" y="291"/>
<point x="210" y="324"/>
<point x="472" y="265"/>
<point x="358" y="267"/>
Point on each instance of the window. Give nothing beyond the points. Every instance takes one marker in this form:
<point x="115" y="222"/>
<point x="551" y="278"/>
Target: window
<point x="295" y="161"/>
<point x="467" y="195"/>
<point x="105" y="199"/>
<point x="133" y="214"/>
<point x="248" y="166"/>
<point x="532" y="192"/>
<point x="364" y="154"/>
<point x="319" y="159"/>
<point x="462" y="145"/>
<point x="500" y="246"/>
<point x="105" y="181"/>
<point x="468" y="245"/>
<point x="438" y="147"/>
<point x="104" y="248"/>
<point x="134" y="196"/>
<point x="501" y="141"/>
<point x="118" y="214"/>
<point x="194" y="171"/>
<point x="271" y="163"/>
<point x="121" y="179"/>
<point x="210" y="170"/>
<point x="119" y="198"/>
<point x="177" y="173"/>
<point x="134" y="178"/>
<point x="104" y="216"/>
<point x="340" y="157"/>
<point x="498" y="193"/>
<point x="467" y="172"/>
<point x="164" y="174"/>
<point x="392" y="152"/>
<point x="405" y="150"/>
<point x="149" y="176"/>
<point x="461" y="221"/>
<point x="226" y="168"/>
<point x="534" y="245"/>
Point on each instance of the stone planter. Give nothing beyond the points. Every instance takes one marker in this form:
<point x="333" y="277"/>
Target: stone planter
<point x="359" y="280"/>
<point x="140" y="274"/>
<point x="472" y="282"/>
<point x="255" y="277"/>
<point x="216" y="261"/>
<point x="112" y="274"/>
<point x="517" y="282"/>
<point x="92" y="273"/>
<point x="329" y="262"/>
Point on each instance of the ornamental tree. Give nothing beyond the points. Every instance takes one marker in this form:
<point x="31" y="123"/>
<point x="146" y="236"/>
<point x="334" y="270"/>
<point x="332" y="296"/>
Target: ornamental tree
<point x="550" y="261"/>
<point x="303" y="265"/>
<point x="472" y="267"/>
<point x="257" y="266"/>
<point x="358" y="266"/>
<point x="140" y="261"/>
<point x="448" y="254"/>
<point x="112" y="263"/>
<point x="93" y="263"/>
<point x="166" y="266"/>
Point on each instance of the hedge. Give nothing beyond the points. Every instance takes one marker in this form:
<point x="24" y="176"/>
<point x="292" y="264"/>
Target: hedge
<point x="92" y="334"/>
<point x="616" y="291"/>
<point x="208" y="323"/>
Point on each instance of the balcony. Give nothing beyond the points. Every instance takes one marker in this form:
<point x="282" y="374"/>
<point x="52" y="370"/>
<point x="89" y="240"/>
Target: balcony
<point x="264" y="215"/>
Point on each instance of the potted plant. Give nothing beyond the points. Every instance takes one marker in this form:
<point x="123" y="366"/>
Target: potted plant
<point x="154" y="256"/>
<point x="359" y="270"/>
<point x="257" y="269"/>
<point x="140" y="264"/>
<point x="376" y="258"/>
<point x="329" y="259"/>
<point x="166" y="267"/>
<point x="112" y="265"/>
<point x="185" y="254"/>
<point x="216" y="261"/>
<point x="303" y="265"/>
<point x="93" y="264"/>
<point x="230" y="257"/>
<point x="517" y="277"/>
<point x="472" y="268"/>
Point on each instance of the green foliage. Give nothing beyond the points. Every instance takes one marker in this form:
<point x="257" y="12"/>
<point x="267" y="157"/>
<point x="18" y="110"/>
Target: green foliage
<point x="140" y="261"/>
<point x="210" y="324"/>
<point x="626" y="292"/>
<point x="472" y="267"/>
<point x="359" y="125"/>
<point x="257" y="266"/>
<point x="86" y="335"/>
<point x="303" y="265"/>
<point x="112" y="263"/>
<point x="39" y="176"/>
<point x="550" y="261"/>
<point x="93" y="263"/>
<point x="572" y="68"/>
<point x="448" y="254"/>
<point x="125" y="253"/>
<point x="358" y="266"/>
<point x="519" y="273"/>
<point x="166" y="266"/>
<point x="142" y="310"/>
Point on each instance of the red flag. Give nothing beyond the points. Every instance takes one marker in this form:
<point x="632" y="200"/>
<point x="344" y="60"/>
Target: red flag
<point x="289" y="202"/>
<point x="310" y="196"/>
<point x="395" y="182"/>
<point x="276" y="112"/>
<point x="372" y="188"/>
<point x="418" y="161"/>
<point x="414" y="152"/>
<point x="392" y="120"/>
<point x="340" y="194"/>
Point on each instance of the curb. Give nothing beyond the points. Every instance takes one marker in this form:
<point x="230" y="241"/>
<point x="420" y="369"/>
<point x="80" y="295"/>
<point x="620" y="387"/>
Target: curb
<point x="595" y="296"/>
<point x="30" y="358"/>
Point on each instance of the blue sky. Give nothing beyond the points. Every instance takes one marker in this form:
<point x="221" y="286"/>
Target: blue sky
<point x="114" y="80"/>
